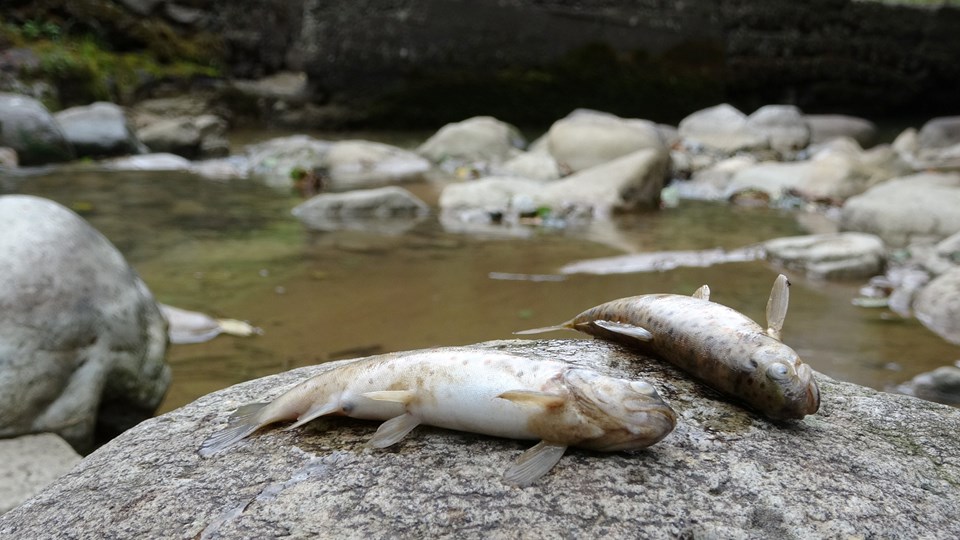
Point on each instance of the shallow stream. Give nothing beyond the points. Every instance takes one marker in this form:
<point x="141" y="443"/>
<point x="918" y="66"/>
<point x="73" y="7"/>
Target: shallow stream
<point x="232" y="249"/>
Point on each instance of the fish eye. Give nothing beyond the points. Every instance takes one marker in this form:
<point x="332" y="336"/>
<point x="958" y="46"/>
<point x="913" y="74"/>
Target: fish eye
<point x="778" y="370"/>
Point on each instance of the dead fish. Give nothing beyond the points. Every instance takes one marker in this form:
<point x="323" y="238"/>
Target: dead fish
<point x="714" y="343"/>
<point x="486" y="392"/>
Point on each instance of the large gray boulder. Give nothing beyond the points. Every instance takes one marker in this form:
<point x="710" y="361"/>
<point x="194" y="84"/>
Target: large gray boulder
<point x="724" y="472"/>
<point x="937" y="305"/>
<point x="381" y="209"/>
<point x="585" y="139"/>
<point x="626" y="183"/>
<point x="824" y="127"/>
<point x="81" y="339"/>
<point x="846" y="255"/>
<point x="358" y="164"/>
<point x="917" y="207"/>
<point x="27" y="127"/>
<point x="30" y="463"/>
<point x="721" y="128"/>
<point x="192" y="137"/>
<point x="99" y="130"/>
<point x="940" y="132"/>
<point x="477" y="139"/>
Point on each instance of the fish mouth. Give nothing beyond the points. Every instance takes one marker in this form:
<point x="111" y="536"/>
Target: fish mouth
<point x="657" y="424"/>
<point x="812" y="394"/>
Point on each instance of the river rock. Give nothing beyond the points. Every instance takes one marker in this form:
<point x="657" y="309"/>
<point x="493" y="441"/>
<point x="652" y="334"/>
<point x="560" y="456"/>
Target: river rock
<point x="836" y="171"/>
<point x="532" y="165"/>
<point x="712" y="182"/>
<point x="150" y="162"/>
<point x="30" y="463"/>
<point x="586" y="138"/>
<point x="8" y="158"/>
<point x="937" y="305"/>
<point x="941" y="385"/>
<point x="784" y="127"/>
<point x="916" y="207"/>
<point x="192" y="137"/>
<point x="357" y="164"/>
<point x="274" y="161"/>
<point x="829" y="256"/>
<point x="378" y="209"/>
<point x="940" y="132"/>
<point x="824" y="127"/>
<point x="627" y="183"/>
<point x="477" y="139"/>
<point x="81" y="339"/>
<point x="323" y="481"/>
<point x="99" y="130"/>
<point x="28" y="128"/>
<point x="721" y="128"/>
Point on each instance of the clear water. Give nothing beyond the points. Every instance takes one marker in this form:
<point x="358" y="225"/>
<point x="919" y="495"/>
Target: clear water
<point x="233" y="250"/>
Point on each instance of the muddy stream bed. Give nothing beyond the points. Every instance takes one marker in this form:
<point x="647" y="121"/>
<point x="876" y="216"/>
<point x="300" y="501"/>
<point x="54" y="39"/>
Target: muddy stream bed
<point x="233" y="250"/>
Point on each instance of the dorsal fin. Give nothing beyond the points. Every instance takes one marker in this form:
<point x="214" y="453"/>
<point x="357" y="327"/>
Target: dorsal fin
<point x="702" y="293"/>
<point x="777" y="306"/>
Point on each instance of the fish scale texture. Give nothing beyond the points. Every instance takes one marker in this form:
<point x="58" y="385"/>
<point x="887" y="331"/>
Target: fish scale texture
<point x="868" y="464"/>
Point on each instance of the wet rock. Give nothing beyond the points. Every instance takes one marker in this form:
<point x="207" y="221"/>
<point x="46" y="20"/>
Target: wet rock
<point x="824" y="127"/>
<point x="8" y="158"/>
<point x="829" y="256"/>
<point x="721" y="128"/>
<point x="149" y="162"/>
<point x="784" y="127"/>
<point x="192" y="137"/>
<point x="921" y="206"/>
<point x="30" y="463"/>
<point x="99" y="130"/>
<point x="940" y="132"/>
<point x="28" y="128"/>
<point x="712" y="182"/>
<point x="379" y="209"/>
<point x="835" y="172"/>
<point x="322" y="481"/>
<point x="937" y="305"/>
<point x="587" y="138"/>
<point x="941" y="385"/>
<point x="627" y="183"/>
<point x="533" y="165"/>
<point x="273" y="161"/>
<point x="477" y="139"/>
<point x="358" y="164"/>
<point x="81" y="339"/>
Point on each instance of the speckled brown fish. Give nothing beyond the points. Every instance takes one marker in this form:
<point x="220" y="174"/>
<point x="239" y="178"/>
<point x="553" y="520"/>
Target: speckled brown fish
<point x="480" y="391"/>
<point x="715" y="343"/>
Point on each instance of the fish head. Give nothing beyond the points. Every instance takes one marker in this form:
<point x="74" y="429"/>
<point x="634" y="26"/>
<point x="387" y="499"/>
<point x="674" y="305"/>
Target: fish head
<point x="628" y="414"/>
<point x="783" y="385"/>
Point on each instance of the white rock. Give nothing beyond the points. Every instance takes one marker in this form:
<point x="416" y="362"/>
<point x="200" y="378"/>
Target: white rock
<point x="532" y="165"/>
<point x="921" y="206"/>
<point x="824" y="127"/>
<point x="585" y="139"/>
<point x="721" y="128"/>
<point x="783" y="125"/>
<point x="829" y="256"/>
<point x="99" y="129"/>
<point x="382" y="209"/>
<point x="940" y="132"/>
<point x="481" y="138"/>
<point x="357" y="164"/>
<point x="274" y="160"/>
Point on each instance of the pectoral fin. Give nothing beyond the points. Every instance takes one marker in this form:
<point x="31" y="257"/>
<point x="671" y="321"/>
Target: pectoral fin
<point x="534" y="463"/>
<point x="316" y="411"/>
<point x="395" y="396"/>
<point x="702" y="293"/>
<point x="625" y="329"/>
<point x="562" y="326"/>
<point x="393" y="430"/>
<point x="544" y="399"/>
<point x="777" y="306"/>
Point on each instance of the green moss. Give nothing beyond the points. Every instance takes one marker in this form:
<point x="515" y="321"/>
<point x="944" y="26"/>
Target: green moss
<point x="97" y="50"/>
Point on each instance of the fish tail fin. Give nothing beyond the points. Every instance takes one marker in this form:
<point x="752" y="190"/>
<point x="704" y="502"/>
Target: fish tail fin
<point x="242" y="423"/>
<point x="562" y="326"/>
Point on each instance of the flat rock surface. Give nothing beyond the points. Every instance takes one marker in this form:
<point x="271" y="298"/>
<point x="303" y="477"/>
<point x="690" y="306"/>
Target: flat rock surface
<point x="869" y="464"/>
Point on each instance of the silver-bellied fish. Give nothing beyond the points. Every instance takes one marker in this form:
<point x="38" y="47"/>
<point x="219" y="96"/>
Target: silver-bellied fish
<point x="480" y="391"/>
<point x="716" y="344"/>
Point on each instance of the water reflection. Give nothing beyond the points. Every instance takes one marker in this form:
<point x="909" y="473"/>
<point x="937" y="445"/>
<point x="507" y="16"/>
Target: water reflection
<point x="234" y="250"/>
